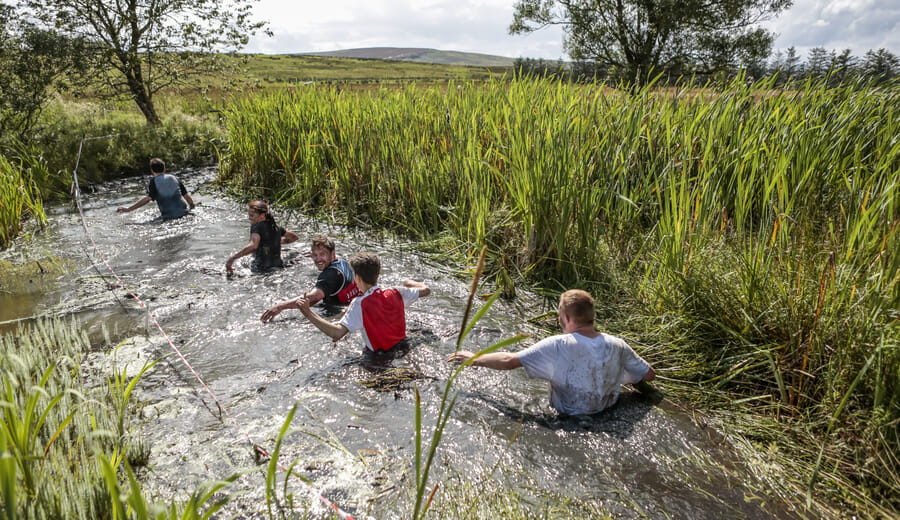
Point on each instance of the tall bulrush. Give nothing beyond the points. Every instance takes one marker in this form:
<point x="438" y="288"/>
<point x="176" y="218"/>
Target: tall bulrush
<point x="765" y="222"/>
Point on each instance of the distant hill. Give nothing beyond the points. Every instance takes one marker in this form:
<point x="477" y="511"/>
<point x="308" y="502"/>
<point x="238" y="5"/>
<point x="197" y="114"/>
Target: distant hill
<point x="472" y="59"/>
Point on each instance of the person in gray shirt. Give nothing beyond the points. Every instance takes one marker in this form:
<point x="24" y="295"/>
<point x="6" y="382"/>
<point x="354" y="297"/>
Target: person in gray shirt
<point x="585" y="368"/>
<point x="170" y="195"/>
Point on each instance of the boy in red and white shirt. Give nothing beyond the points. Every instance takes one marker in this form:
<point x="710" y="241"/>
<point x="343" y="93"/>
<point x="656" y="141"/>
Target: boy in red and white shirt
<point x="379" y="313"/>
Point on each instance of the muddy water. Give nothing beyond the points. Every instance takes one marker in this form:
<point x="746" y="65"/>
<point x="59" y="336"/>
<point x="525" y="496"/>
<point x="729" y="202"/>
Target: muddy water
<point x="646" y="456"/>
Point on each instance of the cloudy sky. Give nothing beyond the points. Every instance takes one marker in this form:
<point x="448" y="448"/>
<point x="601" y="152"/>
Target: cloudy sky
<point x="481" y="26"/>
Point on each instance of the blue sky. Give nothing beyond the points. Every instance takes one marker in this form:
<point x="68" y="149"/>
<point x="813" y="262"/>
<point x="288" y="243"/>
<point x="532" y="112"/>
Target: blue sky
<point x="481" y="26"/>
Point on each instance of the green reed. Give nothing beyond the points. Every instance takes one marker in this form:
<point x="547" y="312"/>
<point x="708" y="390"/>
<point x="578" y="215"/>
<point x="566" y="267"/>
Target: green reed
<point x="424" y="458"/>
<point x="50" y="427"/>
<point x="760" y="226"/>
<point x="63" y="442"/>
<point x="19" y="196"/>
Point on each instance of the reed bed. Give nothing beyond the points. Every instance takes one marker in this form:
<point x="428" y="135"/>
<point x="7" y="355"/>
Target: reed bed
<point x="752" y="231"/>
<point x="19" y="198"/>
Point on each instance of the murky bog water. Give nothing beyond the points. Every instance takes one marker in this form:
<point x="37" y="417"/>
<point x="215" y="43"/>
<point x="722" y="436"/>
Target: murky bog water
<point x="355" y="444"/>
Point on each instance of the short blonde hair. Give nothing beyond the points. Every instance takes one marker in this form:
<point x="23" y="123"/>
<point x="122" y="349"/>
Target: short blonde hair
<point x="578" y="305"/>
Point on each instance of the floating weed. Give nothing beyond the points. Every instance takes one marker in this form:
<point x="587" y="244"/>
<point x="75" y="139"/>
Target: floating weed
<point x="393" y="379"/>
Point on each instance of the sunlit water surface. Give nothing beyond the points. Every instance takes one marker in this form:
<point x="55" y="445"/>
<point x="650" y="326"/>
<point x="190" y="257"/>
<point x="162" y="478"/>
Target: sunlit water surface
<point x="355" y="444"/>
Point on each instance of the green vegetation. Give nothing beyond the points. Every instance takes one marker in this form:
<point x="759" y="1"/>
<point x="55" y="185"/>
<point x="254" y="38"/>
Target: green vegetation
<point x="66" y="440"/>
<point x="279" y="70"/>
<point x="19" y="197"/>
<point x="118" y="142"/>
<point x="138" y="51"/>
<point x="126" y="144"/>
<point x="425" y="458"/>
<point x="190" y="133"/>
<point x="636" y="40"/>
<point x="749" y="230"/>
<point x="52" y="425"/>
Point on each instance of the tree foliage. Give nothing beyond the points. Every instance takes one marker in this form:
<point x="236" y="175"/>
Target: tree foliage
<point x="881" y="65"/>
<point x="143" y="46"/>
<point x="638" y="37"/>
<point x="33" y="62"/>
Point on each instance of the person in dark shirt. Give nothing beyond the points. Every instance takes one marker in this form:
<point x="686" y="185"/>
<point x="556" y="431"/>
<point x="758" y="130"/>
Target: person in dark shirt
<point x="334" y="285"/>
<point x="266" y="238"/>
<point x="170" y="195"/>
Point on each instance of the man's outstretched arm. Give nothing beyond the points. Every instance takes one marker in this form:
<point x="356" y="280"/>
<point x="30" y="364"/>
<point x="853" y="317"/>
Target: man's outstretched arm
<point x="424" y="290"/>
<point x="314" y="296"/>
<point x="139" y="204"/>
<point x="494" y="360"/>
<point x="334" y="330"/>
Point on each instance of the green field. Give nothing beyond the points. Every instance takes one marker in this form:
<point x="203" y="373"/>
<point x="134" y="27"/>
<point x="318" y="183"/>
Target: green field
<point x="286" y="69"/>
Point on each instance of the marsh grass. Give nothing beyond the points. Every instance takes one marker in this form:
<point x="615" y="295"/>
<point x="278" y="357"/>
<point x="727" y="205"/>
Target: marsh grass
<point x="751" y="230"/>
<point x="19" y="196"/>
<point x="52" y="425"/>
<point x="66" y="440"/>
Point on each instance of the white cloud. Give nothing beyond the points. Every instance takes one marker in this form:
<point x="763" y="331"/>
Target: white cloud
<point x="463" y="25"/>
<point x="482" y="26"/>
<point x="858" y="25"/>
<point x="840" y="6"/>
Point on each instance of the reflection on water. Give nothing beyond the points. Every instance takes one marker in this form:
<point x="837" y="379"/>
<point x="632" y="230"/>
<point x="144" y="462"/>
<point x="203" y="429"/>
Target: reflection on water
<point x="642" y="457"/>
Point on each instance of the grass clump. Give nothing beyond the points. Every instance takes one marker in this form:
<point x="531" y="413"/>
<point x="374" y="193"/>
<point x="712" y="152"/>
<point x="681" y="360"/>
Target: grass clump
<point x="67" y="439"/>
<point x="19" y="196"/>
<point x="54" y="423"/>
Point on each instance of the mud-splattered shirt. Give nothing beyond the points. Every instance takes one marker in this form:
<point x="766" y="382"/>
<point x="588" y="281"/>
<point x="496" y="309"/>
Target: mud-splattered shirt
<point x="584" y="373"/>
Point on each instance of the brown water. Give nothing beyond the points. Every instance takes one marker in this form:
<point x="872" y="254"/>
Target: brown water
<point x="644" y="457"/>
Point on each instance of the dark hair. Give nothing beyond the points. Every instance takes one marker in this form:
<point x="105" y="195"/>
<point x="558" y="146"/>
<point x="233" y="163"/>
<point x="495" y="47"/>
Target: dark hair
<point x="366" y="266"/>
<point x="578" y="305"/>
<point x="261" y="207"/>
<point x="323" y="241"/>
<point x="157" y="165"/>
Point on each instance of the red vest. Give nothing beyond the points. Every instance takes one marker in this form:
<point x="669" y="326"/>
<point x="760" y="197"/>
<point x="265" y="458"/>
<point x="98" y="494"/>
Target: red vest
<point x="384" y="318"/>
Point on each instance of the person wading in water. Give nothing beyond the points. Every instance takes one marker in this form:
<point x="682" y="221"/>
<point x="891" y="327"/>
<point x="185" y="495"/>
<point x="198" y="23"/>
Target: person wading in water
<point x="266" y="238"/>
<point x="170" y="195"/>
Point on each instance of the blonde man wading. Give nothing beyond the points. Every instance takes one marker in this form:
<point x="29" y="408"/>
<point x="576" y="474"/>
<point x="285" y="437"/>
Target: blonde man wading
<point x="585" y="368"/>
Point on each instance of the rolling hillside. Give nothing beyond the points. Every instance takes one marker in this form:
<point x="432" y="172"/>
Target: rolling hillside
<point x="435" y="56"/>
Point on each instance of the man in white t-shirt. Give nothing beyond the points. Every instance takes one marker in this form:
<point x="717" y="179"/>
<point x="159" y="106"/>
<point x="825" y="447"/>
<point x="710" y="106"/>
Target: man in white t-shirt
<point x="585" y="368"/>
<point x="380" y="314"/>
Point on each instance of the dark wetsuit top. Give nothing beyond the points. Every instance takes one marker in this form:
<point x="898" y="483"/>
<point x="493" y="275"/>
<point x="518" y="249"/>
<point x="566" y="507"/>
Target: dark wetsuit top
<point x="336" y="281"/>
<point x="268" y="252"/>
<point x="168" y="192"/>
